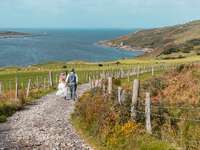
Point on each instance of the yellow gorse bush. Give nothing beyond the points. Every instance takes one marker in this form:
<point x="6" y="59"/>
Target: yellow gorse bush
<point x="129" y="128"/>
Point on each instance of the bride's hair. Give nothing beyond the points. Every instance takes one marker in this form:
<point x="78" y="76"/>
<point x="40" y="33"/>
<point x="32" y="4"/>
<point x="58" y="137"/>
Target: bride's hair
<point x="62" y="77"/>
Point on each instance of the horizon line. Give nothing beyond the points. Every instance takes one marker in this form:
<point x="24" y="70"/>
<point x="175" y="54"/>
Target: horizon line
<point x="71" y="28"/>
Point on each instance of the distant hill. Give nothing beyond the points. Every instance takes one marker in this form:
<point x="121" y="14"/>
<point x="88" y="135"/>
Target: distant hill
<point x="10" y="34"/>
<point x="172" y="41"/>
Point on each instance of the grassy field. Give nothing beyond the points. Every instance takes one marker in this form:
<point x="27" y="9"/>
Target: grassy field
<point x="161" y="61"/>
<point x="7" y="73"/>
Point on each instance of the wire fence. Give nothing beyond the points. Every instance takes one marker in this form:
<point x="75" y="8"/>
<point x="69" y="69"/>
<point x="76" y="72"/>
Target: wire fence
<point x="183" y="123"/>
<point x="43" y="79"/>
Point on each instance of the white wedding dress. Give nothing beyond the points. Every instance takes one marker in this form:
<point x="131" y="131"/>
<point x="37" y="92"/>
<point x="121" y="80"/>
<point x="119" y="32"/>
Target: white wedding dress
<point x="62" y="89"/>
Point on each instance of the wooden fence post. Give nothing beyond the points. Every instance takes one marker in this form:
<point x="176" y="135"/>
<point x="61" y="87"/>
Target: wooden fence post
<point x="97" y="83"/>
<point x="101" y="76"/>
<point x="104" y="88"/>
<point x="1" y="88"/>
<point x="10" y="89"/>
<point x="28" y="88"/>
<point x="119" y="94"/>
<point x="148" y="113"/>
<point x="135" y="71"/>
<point x="144" y="68"/>
<point x="128" y="76"/>
<point x="90" y="82"/>
<point x="135" y="95"/>
<point x="93" y="83"/>
<point x="37" y="82"/>
<point x="57" y="77"/>
<point x="138" y="71"/>
<point x="100" y="83"/>
<point x="16" y="89"/>
<point x="44" y="85"/>
<point x="123" y="96"/>
<point x="50" y="79"/>
<point x="22" y="85"/>
<point x="104" y="74"/>
<point x="121" y="73"/>
<point x="152" y="71"/>
<point x="109" y="85"/>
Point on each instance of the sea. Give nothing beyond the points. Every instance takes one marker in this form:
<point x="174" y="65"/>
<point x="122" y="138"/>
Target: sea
<point x="54" y="45"/>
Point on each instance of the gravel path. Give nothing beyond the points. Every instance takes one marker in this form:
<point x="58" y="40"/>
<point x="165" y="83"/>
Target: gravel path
<point x="44" y="125"/>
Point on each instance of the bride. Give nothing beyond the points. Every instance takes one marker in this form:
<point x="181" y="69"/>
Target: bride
<point x="62" y="88"/>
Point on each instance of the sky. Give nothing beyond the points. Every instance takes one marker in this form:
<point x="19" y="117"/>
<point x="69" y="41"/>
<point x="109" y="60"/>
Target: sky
<point x="96" y="13"/>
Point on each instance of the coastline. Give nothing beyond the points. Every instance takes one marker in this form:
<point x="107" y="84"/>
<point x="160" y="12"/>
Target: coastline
<point x="107" y="43"/>
<point x="12" y="34"/>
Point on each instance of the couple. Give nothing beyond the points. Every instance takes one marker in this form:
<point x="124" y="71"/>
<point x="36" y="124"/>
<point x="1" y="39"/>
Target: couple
<point x="68" y="84"/>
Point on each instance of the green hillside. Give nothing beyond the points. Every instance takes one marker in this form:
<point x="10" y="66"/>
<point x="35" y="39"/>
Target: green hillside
<point x="180" y="40"/>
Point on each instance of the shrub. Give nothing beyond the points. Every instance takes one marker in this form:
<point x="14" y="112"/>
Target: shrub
<point x="154" y="85"/>
<point x="109" y="124"/>
<point x="3" y="118"/>
<point x="117" y="82"/>
<point x="118" y="63"/>
<point x="64" y="66"/>
<point x="186" y="50"/>
<point x="100" y="65"/>
<point x="195" y="42"/>
<point x="198" y="53"/>
<point x="170" y="50"/>
<point x="181" y="56"/>
<point x="181" y="90"/>
<point x="180" y="68"/>
<point x="7" y="109"/>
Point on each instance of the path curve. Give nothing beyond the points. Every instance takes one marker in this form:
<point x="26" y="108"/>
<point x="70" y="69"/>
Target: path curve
<point x="43" y="126"/>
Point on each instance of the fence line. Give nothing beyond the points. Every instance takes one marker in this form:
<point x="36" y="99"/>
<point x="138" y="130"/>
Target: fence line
<point x="1" y="88"/>
<point x="46" y="78"/>
<point x="16" y="89"/>
<point x="28" y="88"/>
<point x="148" y="114"/>
<point x="193" y="108"/>
<point x="169" y="117"/>
<point x="135" y="95"/>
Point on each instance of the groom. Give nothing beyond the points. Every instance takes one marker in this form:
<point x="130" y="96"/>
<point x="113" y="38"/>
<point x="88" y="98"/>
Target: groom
<point x="72" y="82"/>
